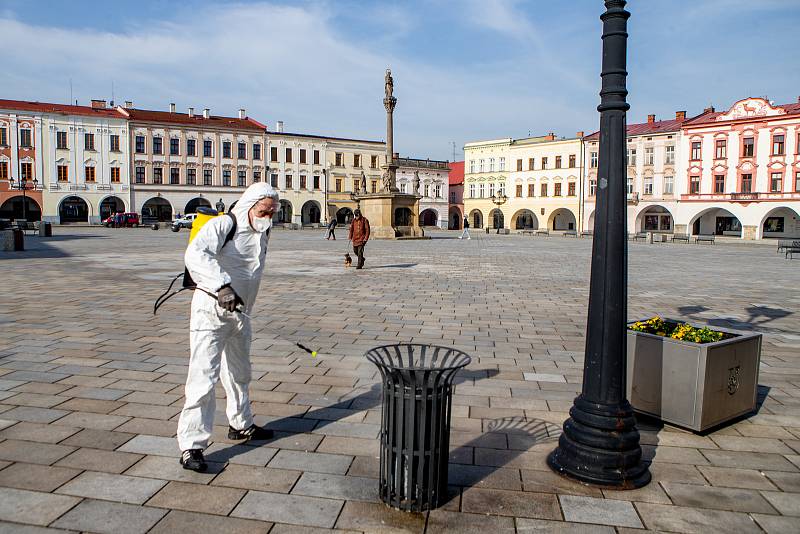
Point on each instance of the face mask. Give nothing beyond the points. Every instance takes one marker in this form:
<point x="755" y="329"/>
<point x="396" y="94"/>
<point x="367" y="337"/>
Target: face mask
<point x="261" y="224"/>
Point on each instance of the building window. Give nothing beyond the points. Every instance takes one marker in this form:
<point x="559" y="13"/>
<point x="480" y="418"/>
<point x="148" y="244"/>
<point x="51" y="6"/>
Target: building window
<point x="339" y="159"/>
<point x="696" y="156"/>
<point x="776" y="182"/>
<point x="174" y="146"/>
<point x="648" y="185"/>
<point x="491" y="164"/>
<point x="88" y="174"/>
<point x="543" y="190"/>
<point x="519" y="165"/>
<point x="592" y="187"/>
<point x="593" y="160"/>
<point x="438" y="190"/>
<point x="226" y="177"/>
<point x="303" y="155"/>
<point x="519" y="187"/>
<point x="797" y="182"/>
<point x="558" y="162"/>
<point x="157" y="145"/>
<point x="374" y="186"/>
<point x="721" y="149"/>
<point x="288" y="155"/>
<point x="471" y="190"/>
<point x="748" y="147"/>
<point x="316" y="182"/>
<point x="373" y="162"/>
<point x="256" y="176"/>
<point x="629" y="185"/>
<point x="191" y="147"/>
<point x="491" y="190"/>
<point x="241" y="179"/>
<point x="88" y="141"/>
<point x="502" y="164"/>
<point x="63" y="172"/>
<point x="4" y="136"/>
<point x="572" y="161"/>
<point x="356" y="160"/>
<point x="257" y="151"/>
<point x="27" y="171"/>
<point x="61" y="139"/>
<point x="174" y="176"/>
<point x="669" y="155"/>
<point x="719" y="183"/>
<point x="557" y="190"/>
<point x="139" y="175"/>
<point x="357" y="185"/>
<point x="208" y="148"/>
<point x="472" y="166"/>
<point x="208" y="177"/>
<point x="25" y="138"/>
<point x="773" y="224"/>
<point x="273" y="153"/>
<point x="140" y="144"/>
<point x="480" y="166"/>
<point x="747" y="183"/>
<point x="694" y="185"/>
<point x="531" y="187"/>
<point x="544" y="163"/>
<point x="649" y="156"/>
<point x="338" y="185"/>
<point x="778" y="145"/>
<point x="571" y="189"/>
<point x="303" y="183"/>
<point x="668" y="184"/>
<point x="158" y="175"/>
<point x="226" y="149"/>
<point x="242" y="151"/>
<point x="631" y="157"/>
<point x="191" y="176"/>
<point x="289" y="181"/>
<point x="273" y="181"/>
<point x="530" y="164"/>
<point x="481" y="190"/>
<point x="115" y="175"/>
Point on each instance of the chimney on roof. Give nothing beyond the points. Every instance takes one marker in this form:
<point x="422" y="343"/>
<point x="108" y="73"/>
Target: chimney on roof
<point x="279" y="126"/>
<point x="550" y="136"/>
<point x="191" y="112"/>
<point x="579" y="134"/>
<point x="128" y="104"/>
<point x="206" y="113"/>
<point x="98" y="104"/>
<point x="709" y="109"/>
<point x="242" y="114"/>
<point x="651" y="118"/>
<point x="680" y="115"/>
<point x="172" y="107"/>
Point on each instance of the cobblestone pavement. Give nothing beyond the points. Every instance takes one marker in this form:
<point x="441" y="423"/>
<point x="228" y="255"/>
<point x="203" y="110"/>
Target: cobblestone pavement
<point x="91" y="387"/>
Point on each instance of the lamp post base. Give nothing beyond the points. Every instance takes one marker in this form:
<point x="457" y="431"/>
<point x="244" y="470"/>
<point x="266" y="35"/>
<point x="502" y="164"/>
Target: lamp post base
<point x="600" y="446"/>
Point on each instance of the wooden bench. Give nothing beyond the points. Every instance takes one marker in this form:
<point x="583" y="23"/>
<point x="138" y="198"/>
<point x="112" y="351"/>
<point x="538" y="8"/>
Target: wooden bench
<point x="639" y="236"/>
<point x="570" y="233"/>
<point x="26" y="226"/>
<point x="704" y="239"/>
<point x="587" y="233"/>
<point x="783" y="244"/>
<point x="545" y="233"/>
<point x="680" y="237"/>
<point x="527" y="232"/>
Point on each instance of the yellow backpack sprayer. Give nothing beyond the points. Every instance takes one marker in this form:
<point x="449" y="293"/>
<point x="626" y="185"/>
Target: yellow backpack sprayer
<point x="204" y="215"/>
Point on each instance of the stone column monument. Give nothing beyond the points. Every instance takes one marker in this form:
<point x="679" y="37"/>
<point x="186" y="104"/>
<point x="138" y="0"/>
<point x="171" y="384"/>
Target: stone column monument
<point x="391" y="214"/>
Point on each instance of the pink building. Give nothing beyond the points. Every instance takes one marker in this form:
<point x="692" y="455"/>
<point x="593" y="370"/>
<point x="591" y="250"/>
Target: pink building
<point x="455" y="218"/>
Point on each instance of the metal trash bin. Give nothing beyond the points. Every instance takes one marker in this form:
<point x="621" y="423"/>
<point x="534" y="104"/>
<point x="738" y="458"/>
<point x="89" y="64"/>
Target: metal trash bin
<point x="415" y="422"/>
<point x="45" y="229"/>
<point x="19" y="239"/>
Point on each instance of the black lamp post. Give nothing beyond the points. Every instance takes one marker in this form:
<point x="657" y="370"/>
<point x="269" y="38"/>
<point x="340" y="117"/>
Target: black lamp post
<point x="600" y="443"/>
<point x="22" y="185"/>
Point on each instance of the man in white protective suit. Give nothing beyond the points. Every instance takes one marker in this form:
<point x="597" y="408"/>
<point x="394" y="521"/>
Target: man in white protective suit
<point x="219" y="335"/>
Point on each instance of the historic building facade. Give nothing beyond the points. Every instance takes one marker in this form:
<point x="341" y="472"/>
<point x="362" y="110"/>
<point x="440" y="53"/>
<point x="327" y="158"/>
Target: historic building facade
<point x="740" y="171"/>
<point x="456" y="196"/>
<point x="653" y="189"/>
<point x="433" y="187"/>
<point x="21" y="140"/>
<point x="181" y="161"/>
<point x="346" y="161"/>
<point x="485" y="176"/>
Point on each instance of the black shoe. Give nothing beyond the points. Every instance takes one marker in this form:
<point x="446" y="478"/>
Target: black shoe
<point x="253" y="432"/>
<point x="193" y="460"/>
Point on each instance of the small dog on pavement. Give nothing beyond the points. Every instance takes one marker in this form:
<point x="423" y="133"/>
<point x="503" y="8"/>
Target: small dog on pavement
<point x="348" y="261"/>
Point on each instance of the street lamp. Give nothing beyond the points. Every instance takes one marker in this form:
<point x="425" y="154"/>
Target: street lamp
<point x="498" y="199"/>
<point x="22" y="184"/>
<point x="600" y="443"/>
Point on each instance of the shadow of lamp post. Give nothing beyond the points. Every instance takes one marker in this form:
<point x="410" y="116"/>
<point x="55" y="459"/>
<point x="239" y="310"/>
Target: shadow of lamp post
<point x="600" y="442"/>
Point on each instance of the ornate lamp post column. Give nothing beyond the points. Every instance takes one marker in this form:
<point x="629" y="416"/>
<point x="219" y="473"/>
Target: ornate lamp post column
<point x="389" y="102"/>
<point x="600" y="443"/>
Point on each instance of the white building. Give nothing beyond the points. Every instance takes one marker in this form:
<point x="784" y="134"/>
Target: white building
<point x="433" y="188"/>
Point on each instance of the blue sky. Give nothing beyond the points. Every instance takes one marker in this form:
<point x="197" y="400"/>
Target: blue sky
<point x="464" y="70"/>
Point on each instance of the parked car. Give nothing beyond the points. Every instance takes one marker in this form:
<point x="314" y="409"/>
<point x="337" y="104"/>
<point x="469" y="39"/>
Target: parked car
<point x="184" y="222"/>
<point x="122" y="220"/>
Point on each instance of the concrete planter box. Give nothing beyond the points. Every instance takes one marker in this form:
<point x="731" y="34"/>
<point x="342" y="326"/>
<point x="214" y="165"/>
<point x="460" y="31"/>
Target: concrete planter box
<point x="692" y="385"/>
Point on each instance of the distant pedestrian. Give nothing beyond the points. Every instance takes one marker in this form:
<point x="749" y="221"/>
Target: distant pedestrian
<point x="466" y="229"/>
<point x="331" y="233"/>
<point x="359" y="235"/>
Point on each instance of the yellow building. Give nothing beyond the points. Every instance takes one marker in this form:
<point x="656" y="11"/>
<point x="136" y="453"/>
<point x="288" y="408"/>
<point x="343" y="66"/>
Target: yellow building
<point x="346" y="160"/>
<point x="529" y="183"/>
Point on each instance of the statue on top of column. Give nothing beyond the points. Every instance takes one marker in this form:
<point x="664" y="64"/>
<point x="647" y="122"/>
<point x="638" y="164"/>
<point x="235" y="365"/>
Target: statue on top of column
<point x="389" y="83"/>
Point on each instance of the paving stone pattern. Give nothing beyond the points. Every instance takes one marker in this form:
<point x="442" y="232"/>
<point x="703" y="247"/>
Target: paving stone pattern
<point x="91" y="385"/>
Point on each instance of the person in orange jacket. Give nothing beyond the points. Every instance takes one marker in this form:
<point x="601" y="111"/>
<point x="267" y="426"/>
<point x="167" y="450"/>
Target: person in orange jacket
<point x="359" y="235"/>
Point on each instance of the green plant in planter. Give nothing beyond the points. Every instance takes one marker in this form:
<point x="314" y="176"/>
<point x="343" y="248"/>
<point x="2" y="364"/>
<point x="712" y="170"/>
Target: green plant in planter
<point x="680" y="331"/>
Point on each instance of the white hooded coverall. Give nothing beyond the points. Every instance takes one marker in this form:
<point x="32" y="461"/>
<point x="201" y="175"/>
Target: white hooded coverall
<point x="220" y="340"/>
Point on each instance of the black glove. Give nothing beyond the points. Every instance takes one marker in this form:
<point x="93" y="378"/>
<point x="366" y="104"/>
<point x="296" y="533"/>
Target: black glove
<point x="227" y="298"/>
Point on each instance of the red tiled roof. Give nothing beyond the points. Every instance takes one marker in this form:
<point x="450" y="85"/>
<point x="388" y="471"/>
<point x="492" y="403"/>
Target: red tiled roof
<point x="646" y="128"/>
<point x="214" y="121"/>
<point x="791" y="109"/>
<point x="63" y="109"/>
<point x="456" y="173"/>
